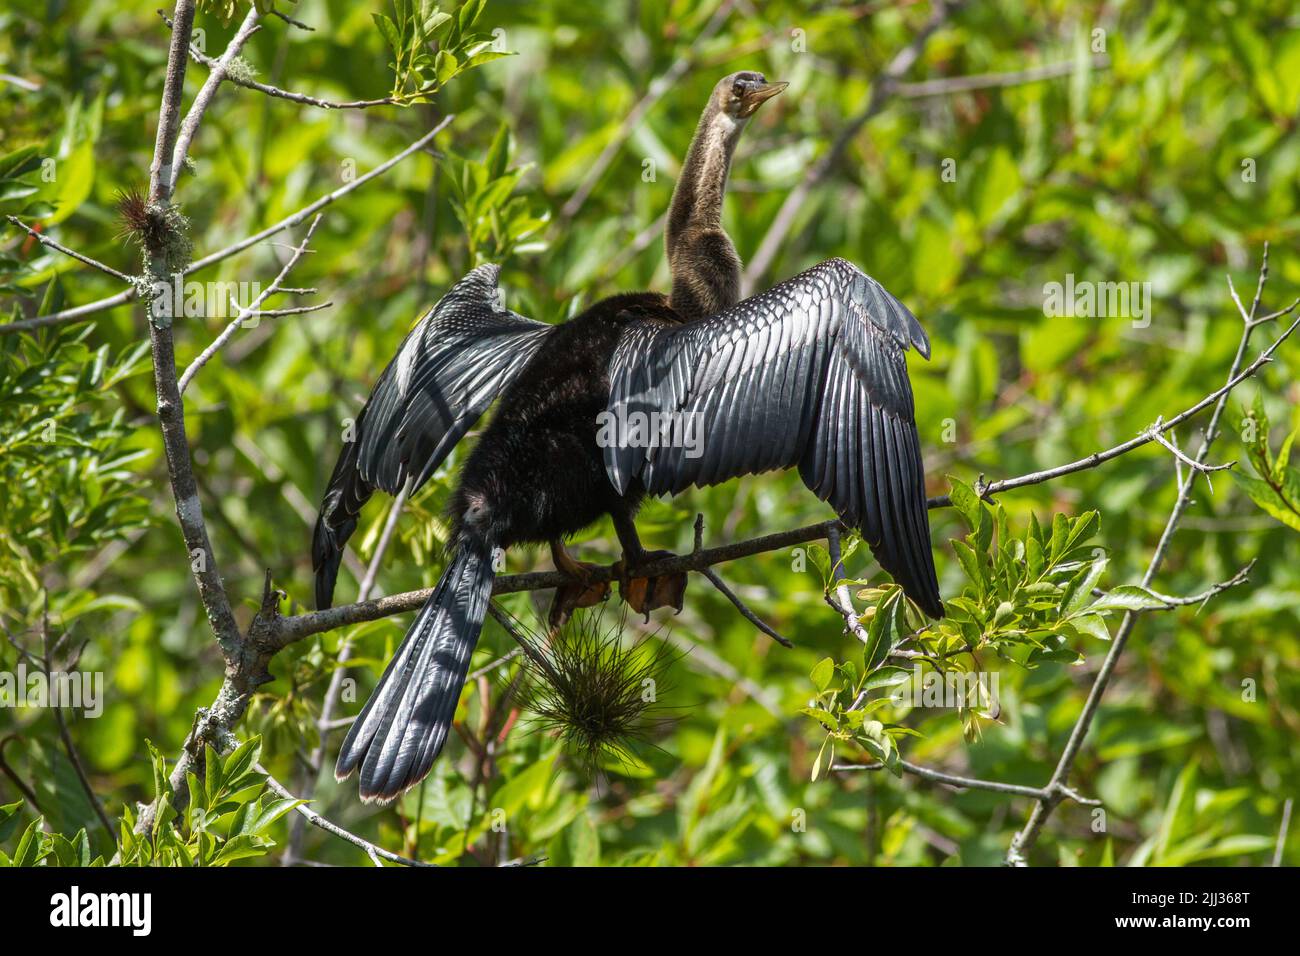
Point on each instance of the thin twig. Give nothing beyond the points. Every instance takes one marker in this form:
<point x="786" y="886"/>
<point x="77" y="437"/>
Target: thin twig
<point x="970" y="783"/>
<point x="1146" y="437"/>
<point x="744" y="609"/>
<point x="1177" y="452"/>
<point x="249" y="310"/>
<point x="57" y="247"/>
<point x="292" y="22"/>
<point x="288" y="222"/>
<point x="881" y="88"/>
<point x="374" y="852"/>
<point x="12" y="774"/>
<point x="984" y="81"/>
<point x="1170" y="602"/>
<point x="658" y="87"/>
<point x="1280" y="846"/>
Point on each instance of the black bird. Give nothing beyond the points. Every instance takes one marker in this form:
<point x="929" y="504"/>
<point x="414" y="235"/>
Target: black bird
<point x="810" y="373"/>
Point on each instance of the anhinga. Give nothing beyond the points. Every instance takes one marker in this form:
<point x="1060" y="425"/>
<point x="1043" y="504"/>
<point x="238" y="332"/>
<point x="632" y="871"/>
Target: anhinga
<point x="810" y="373"/>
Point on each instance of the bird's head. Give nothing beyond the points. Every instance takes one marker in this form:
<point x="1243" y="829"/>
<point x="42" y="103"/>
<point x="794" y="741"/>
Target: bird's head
<point x="741" y="94"/>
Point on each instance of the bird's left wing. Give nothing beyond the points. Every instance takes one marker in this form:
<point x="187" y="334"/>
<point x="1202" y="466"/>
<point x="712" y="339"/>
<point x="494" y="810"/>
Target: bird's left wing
<point x="810" y="373"/>
<point x="450" y="367"/>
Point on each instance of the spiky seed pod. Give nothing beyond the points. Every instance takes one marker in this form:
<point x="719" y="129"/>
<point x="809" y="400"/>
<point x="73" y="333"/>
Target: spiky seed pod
<point x="600" y="694"/>
<point x="158" y="228"/>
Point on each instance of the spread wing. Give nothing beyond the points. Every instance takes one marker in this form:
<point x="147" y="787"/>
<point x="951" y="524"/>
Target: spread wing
<point x="448" y="370"/>
<point x="810" y="373"/>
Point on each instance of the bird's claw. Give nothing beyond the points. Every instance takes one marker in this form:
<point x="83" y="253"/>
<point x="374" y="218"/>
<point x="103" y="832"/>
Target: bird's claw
<point x="645" y="594"/>
<point x="585" y="591"/>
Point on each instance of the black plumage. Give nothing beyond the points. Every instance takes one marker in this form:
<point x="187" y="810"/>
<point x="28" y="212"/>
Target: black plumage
<point x="811" y="373"/>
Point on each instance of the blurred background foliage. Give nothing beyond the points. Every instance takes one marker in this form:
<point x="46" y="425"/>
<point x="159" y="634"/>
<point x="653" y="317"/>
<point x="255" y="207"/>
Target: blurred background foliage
<point x="1170" y="161"/>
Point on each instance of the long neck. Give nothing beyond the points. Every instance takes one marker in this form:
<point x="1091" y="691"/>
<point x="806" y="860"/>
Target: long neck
<point x="697" y="197"/>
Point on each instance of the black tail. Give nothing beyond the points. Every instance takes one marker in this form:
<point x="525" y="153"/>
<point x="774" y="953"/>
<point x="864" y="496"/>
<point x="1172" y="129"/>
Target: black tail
<point x="403" y="726"/>
<point x="345" y="496"/>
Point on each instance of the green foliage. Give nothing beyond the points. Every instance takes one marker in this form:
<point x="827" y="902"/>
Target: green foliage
<point x="496" y="224"/>
<point x="1171" y="165"/>
<point x="1030" y="599"/>
<point x="67" y="457"/>
<point x="228" y="818"/>
<point x="419" y="25"/>
<point x="1275" y="486"/>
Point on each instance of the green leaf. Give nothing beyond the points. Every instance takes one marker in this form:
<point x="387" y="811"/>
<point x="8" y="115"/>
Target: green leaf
<point x="9" y="819"/>
<point x="822" y="673"/>
<point x="1269" y="500"/>
<point x="1127" y="597"/>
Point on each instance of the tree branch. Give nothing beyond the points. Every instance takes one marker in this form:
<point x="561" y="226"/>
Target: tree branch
<point x="972" y="783"/>
<point x="249" y="310"/>
<point x="1027" y="836"/>
<point x="881" y="88"/>
<point x="47" y="241"/>
<point x="984" y="81"/>
<point x="288" y="222"/>
<point x="190" y="126"/>
<point x="376" y="853"/>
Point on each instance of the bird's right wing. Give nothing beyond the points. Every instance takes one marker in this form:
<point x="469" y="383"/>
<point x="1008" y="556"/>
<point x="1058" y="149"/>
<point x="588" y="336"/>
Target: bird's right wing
<point x="446" y="373"/>
<point x="811" y="373"/>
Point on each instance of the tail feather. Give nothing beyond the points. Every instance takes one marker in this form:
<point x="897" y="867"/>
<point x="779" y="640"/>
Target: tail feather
<point x="404" y="725"/>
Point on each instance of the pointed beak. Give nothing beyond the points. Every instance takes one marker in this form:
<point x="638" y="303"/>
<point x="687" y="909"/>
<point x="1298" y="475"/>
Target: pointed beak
<point x="759" y="95"/>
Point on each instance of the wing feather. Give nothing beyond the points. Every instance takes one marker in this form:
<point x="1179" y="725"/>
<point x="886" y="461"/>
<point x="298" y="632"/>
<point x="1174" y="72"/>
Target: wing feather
<point x="811" y="373"/>
<point x="447" y="372"/>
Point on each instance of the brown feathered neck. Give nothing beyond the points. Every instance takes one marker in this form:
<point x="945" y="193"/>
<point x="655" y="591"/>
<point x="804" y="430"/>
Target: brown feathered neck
<point x="697" y="197"/>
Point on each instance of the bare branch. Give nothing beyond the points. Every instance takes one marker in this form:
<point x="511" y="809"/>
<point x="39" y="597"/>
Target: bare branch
<point x="1097" y="458"/>
<point x="374" y="852"/>
<point x="219" y="68"/>
<point x="249" y="310"/>
<point x="1170" y="602"/>
<point x="288" y="222"/>
<point x="658" y="87"/>
<point x="292" y="22"/>
<point x="1281" y="833"/>
<point x="748" y="614"/>
<point x="72" y="314"/>
<point x="972" y="783"/>
<point x="47" y="241"/>
<point x="881" y="88"/>
<point x="984" y="81"/>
